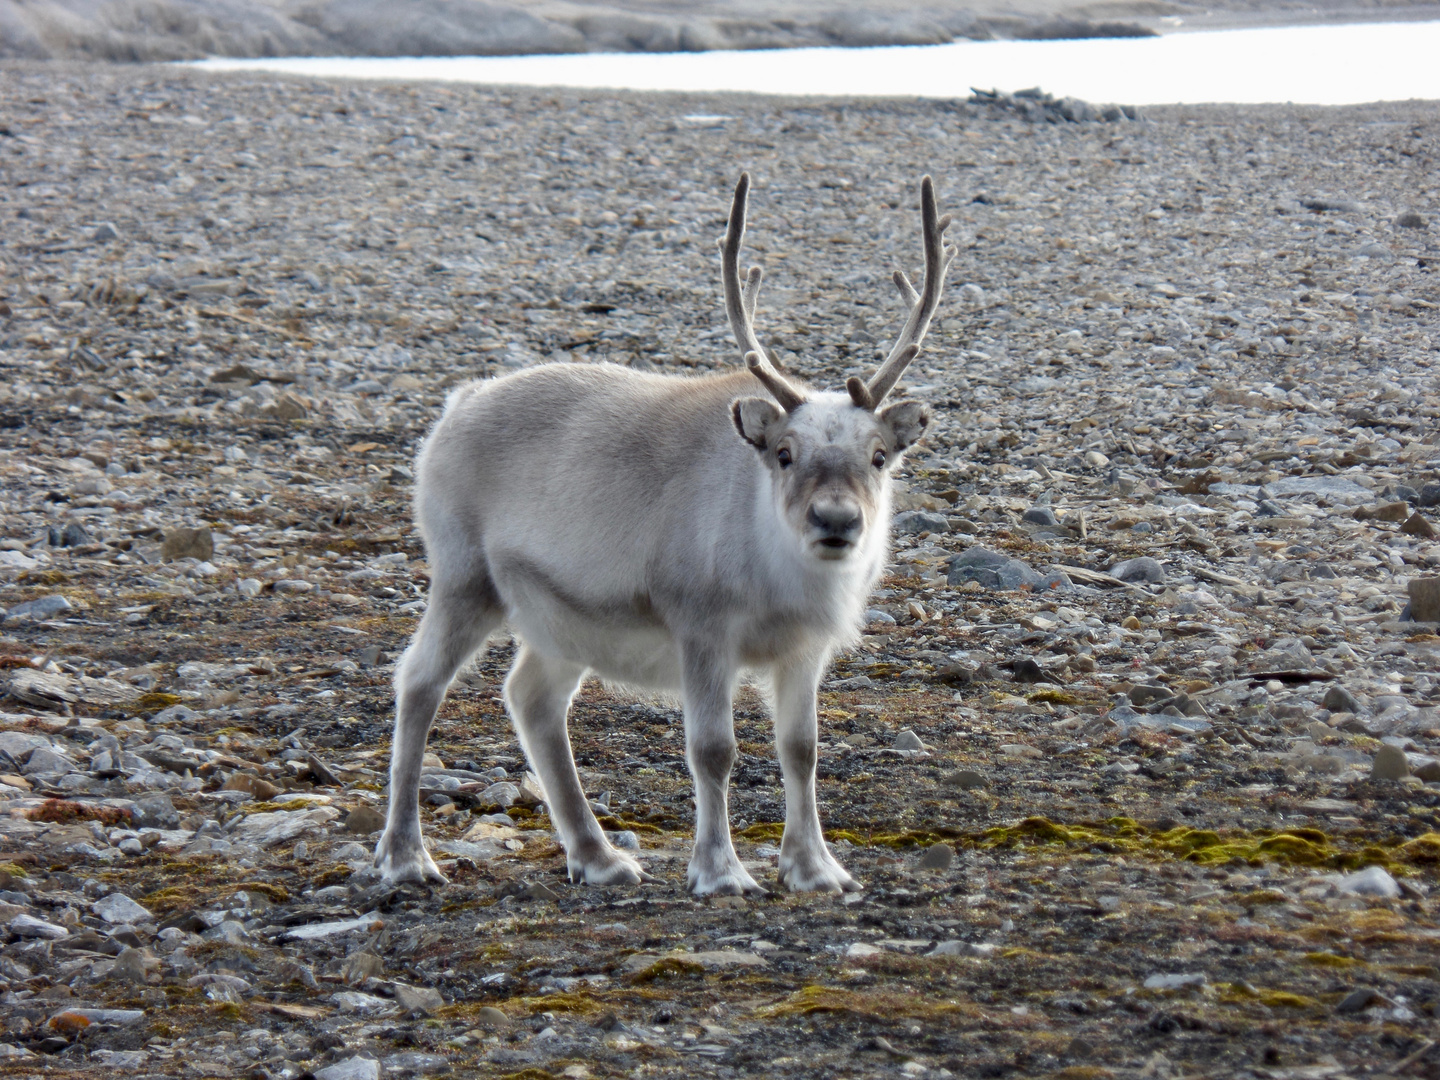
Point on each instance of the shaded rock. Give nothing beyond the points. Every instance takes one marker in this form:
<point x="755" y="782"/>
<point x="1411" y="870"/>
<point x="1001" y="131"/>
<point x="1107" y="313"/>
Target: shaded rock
<point x="937" y="857"/>
<point x="183" y="543"/>
<point x="261" y="790"/>
<point x="364" y="820"/>
<point x="1390" y="764"/>
<point x="1358" y="1000"/>
<point x="1425" y="598"/>
<point x="487" y="1016"/>
<point x="913" y="522"/>
<point x="129" y="966"/>
<point x="156" y="811"/>
<point x="1142" y="569"/>
<point x="418" y="999"/>
<point x="1338" y="699"/>
<point x="965" y="780"/>
<point x="45" y="607"/>
<point x="990" y="569"/>
<point x="1145" y="693"/>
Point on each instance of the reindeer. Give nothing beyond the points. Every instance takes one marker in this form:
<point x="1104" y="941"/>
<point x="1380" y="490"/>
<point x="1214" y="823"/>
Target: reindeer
<point x="662" y="532"/>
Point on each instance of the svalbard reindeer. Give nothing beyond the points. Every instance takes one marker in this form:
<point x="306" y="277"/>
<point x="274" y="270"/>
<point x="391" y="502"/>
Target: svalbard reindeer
<point x="664" y="532"/>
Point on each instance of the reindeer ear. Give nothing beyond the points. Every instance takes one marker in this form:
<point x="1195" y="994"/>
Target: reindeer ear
<point x="905" y="421"/>
<point x="752" y="416"/>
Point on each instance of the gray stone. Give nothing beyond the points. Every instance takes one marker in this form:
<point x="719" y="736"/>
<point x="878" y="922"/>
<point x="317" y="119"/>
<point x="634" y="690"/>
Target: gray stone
<point x="991" y="569"/>
<point x="1145" y="693"/>
<point x="1390" y="764"/>
<point x="1314" y="485"/>
<point x="183" y="543"/>
<point x="907" y="740"/>
<point x="937" y="857"/>
<point x="1142" y="569"/>
<point x="962" y="948"/>
<point x="360" y="966"/>
<point x="1425" y="598"/>
<point x="129" y="966"/>
<point x="364" y="820"/>
<point x="966" y="780"/>
<point x="119" y="908"/>
<point x="624" y="840"/>
<point x="1338" y="699"/>
<point x="46" y="761"/>
<point x="914" y="522"/>
<point x="44" y="607"/>
<point x="1372" y="881"/>
<point x="29" y="926"/>
<point x="1358" y="1000"/>
<point x="492" y="1018"/>
<point x="1040" y="515"/>
<point x="355" y="1068"/>
<point x="416" y="1063"/>
<point x="417" y="999"/>
<point x="156" y="811"/>
<point x="502" y="794"/>
<point x="1410" y="220"/>
<point x="1429" y="495"/>
<point x="1175" y="982"/>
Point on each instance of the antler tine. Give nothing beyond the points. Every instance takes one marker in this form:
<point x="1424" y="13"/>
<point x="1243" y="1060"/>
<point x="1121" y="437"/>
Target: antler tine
<point x="740" y="302"/>
<point x="780" y="387"/>
<point x="923" y="303"/>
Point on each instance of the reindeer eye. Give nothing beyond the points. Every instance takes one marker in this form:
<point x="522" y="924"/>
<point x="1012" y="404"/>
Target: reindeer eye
<point x="783" y="457"/>
<point x="879" y="459"/>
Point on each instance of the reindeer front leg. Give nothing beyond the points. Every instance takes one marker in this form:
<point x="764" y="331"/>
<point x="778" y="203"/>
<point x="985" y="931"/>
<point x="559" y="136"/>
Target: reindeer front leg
<point x="806" y="864"/>
<point x="710" y="751"/>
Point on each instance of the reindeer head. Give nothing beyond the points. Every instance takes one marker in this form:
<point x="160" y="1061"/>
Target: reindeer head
<point x="830" y="454"/>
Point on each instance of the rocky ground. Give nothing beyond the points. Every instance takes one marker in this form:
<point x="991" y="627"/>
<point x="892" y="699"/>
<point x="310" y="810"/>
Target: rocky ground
<point x="1137" y="758"/>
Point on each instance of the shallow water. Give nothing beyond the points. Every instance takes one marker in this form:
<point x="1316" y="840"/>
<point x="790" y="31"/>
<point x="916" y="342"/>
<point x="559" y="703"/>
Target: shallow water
<point x="1321" y="65"/>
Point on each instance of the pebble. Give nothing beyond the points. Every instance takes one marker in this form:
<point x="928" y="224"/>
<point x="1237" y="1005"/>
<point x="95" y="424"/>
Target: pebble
<point x="364" y="820"/>
<point x="937" y="857"/>
<point x="423" y="1000"/>
<point x="1390" y="763"/>
<point x="487" y="1016"/>
<point x="1372" y="881"/>
<point x="1143" y="569"/>
<point x="186" y="543"/>
<point x="1424" y="595"/>
<point x="966" y="780"/>
<point x="908" y="741"/>
<point x="913" y="522"/>
<point x="354" y="1068"/>
<point x="1175" y="982"/>
<point x="119" y="908"/>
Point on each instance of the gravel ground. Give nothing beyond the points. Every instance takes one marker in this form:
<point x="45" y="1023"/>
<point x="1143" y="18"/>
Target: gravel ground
<point x="1137" y="758"/>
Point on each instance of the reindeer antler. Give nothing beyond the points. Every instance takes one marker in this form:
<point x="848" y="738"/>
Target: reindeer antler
<point x="740" y="304"/>
<point x="922" y="304"/>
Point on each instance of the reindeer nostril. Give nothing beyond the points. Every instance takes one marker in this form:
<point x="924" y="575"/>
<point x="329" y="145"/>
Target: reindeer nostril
<point x="837" y="521"/>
